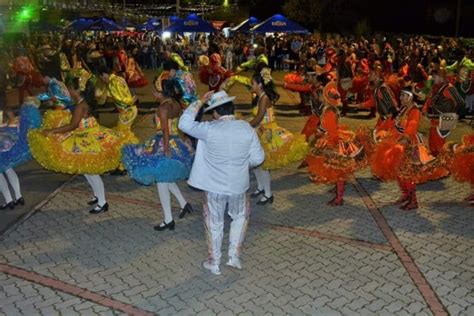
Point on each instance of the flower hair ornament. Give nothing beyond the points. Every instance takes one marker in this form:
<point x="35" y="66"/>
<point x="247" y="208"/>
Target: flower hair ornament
<point x="266" y="75"/>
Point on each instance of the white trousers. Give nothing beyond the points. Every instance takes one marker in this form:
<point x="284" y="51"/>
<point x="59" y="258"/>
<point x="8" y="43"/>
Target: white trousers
<point x="214" y="211"/>
<point x="12" y="178"/>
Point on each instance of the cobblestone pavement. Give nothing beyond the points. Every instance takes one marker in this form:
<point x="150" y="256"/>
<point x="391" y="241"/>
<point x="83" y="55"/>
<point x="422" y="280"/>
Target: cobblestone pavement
<point x="300" y="256"/>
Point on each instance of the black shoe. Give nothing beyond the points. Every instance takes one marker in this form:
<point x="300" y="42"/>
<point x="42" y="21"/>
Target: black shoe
<point x="10" y="205"/>
<point x="186" y="209"/>
<point x="93" y="201"/>
<point x="265" y="200"/>
<point x="100" y="209"/>
<point x="257" y="193"/>
<point x="164" y="226"/>
<point x="20" y="201"/>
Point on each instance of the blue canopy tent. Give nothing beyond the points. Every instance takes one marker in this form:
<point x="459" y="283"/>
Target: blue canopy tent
<point x="79" y="24"/>
<point x="102" y="24"/>
<point x="246" y="25"/>
<point x="192" y="24"/>
<point x="278" y="24"/>
<point x="174" y="19"/>
<point x="153" y="24"/>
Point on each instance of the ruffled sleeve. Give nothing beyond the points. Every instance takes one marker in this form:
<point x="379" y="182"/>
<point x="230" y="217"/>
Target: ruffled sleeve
<point x="177" y="59"/>
<point x="119" y="91"/>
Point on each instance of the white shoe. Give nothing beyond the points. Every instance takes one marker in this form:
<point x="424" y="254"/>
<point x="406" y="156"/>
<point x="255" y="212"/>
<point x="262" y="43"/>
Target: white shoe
<point x="234" y="263"/>
<point x="213" y="268"/>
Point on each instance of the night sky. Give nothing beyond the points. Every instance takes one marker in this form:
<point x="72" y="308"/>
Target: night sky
<point x="437" y="17"/>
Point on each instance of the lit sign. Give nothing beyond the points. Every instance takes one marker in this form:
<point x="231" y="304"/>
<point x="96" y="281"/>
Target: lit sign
<point x="191" y="23"/>
<point x="279" y="23"/>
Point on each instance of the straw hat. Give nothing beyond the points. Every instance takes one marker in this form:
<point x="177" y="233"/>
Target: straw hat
<point x="218" y="99"/>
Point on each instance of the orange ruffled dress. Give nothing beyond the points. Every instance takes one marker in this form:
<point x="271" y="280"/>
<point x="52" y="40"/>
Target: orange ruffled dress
<point x="403" y="155"/>
<point x="459" y="158"/>
<point x="336" y="154"/>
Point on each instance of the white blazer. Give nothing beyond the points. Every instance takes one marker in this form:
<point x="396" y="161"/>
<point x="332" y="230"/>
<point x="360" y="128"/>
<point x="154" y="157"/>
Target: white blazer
<point x="226" y="150"/>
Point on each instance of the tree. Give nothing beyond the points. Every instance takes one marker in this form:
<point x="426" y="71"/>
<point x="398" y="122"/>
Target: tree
<point x="307" y="12"/>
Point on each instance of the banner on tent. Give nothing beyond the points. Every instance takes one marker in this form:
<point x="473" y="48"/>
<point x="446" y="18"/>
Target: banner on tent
<point x="191" y="23"/>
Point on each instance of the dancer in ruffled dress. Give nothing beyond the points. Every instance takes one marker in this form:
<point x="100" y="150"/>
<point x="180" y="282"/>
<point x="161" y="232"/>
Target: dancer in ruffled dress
<point x="166" y="158"/>
<point x="211" y="72"/>
<point x="14" y="151"/>
<point x="80" y="147"/>
<point x="459" y="157"/>
<point x="134" y="74"/>
<point x="281" y="146"/>
<point x="403" y="156"/>
<point x="183" y="80"/>
<point x="119" y="91"/>
<point x="336" y="154"/>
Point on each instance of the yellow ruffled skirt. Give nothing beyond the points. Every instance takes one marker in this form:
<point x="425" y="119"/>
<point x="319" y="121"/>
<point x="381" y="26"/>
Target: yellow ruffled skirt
<point x="281" y="146"/>
<point x="92" y="150"/>
<point x="56" y="118"/>
<point x="124" y="126"/>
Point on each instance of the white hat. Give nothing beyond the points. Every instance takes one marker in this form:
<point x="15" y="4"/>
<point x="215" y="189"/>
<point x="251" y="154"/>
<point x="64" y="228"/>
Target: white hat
<point x="218" y="99"/>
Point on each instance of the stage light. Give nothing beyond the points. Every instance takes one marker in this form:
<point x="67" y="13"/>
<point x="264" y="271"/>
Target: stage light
<point x="166" y="35"/>
<point x="25" y="14"/>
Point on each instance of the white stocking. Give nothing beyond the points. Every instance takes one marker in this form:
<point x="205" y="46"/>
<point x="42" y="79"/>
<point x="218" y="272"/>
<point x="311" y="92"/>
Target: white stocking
<point x="266" y="179"/>
<point x="165" y="200"/>
<point x="91" y="184"/>
<point x="5" y="190"/>
<point x="14" y="182"/>
<point x="173" y="187"/>
<point x="98" y="187"/>
<point x="258" y="177"/>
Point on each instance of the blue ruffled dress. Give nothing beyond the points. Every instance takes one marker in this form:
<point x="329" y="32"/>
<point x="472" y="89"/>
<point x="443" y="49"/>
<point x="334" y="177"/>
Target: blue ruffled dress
<point x="147" y="163"/>
<point x="14" y="149"/>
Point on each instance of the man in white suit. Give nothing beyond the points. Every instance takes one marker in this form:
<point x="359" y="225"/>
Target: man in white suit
<point x="227" y="148"/>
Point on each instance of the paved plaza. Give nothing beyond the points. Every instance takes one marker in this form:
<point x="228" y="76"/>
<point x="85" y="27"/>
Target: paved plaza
<point x="300" y="256"/>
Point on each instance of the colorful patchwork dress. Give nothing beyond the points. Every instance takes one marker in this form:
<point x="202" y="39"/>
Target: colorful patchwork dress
<point x="147" y="163"/>
<point x="89" y="149"/>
